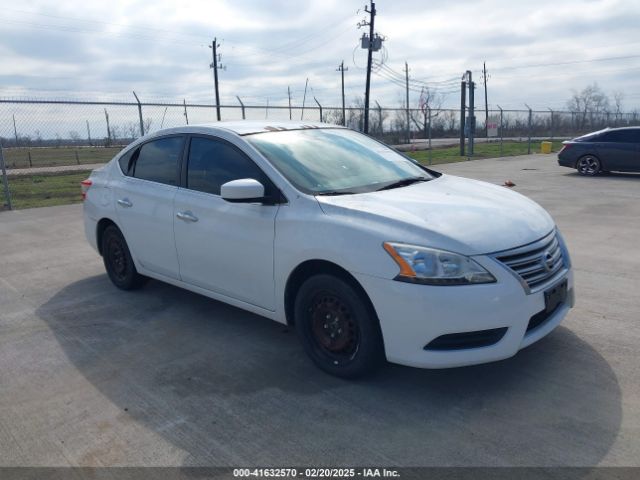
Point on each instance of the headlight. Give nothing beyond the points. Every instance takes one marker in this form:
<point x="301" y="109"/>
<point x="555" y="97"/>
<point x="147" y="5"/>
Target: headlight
<point x="435" y="267"/>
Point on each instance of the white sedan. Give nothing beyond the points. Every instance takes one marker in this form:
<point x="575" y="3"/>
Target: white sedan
<point x="368" y="254"/>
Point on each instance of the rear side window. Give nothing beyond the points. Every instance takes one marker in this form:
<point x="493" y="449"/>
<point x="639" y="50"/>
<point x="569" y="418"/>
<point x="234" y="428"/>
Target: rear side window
<point x="621" y="136"/>
<point x="215" y="162"/>
<point x="158" y="160"/>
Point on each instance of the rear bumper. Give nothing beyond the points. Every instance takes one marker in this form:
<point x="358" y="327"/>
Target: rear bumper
<point x="411" y="316"/>
<point x="565" y="161"/>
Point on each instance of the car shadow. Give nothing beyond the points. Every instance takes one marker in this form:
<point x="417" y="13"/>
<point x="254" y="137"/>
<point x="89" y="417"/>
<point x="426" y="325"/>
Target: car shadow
<point x="228" y="387"/>
<point x="624" y="176"/>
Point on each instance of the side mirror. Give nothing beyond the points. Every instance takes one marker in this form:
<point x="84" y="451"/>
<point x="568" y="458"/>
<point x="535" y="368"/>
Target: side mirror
<point x="245" y="190"/>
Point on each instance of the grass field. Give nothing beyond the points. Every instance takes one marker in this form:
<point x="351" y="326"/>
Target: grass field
<point x="481" y="150"/>
<point x="30" y="191"/>
<point x="51" y="156"/>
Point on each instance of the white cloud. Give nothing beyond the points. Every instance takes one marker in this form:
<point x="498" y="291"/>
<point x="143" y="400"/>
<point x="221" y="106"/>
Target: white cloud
<point x="159" y="48"/>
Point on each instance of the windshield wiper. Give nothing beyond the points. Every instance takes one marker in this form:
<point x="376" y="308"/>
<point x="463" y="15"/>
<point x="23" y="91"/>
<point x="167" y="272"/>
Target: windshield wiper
<point x="403" y="183"/>
<point x="336" y="193"/>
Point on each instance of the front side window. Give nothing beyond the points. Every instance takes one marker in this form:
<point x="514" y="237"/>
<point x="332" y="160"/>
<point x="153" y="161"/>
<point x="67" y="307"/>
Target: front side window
<point x="215" y="162"/>
<point x="325" y="161"/>
<point x="158" y="160"/>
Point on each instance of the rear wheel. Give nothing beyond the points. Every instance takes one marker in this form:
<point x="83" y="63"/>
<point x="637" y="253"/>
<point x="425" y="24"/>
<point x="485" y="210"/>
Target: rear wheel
<point x="588" y="165"/>
<point x="337" y="327"/>
<point x="118" y="262"/>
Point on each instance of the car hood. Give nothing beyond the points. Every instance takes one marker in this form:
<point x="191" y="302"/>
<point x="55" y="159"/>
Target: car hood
<point x="451" y="213"/>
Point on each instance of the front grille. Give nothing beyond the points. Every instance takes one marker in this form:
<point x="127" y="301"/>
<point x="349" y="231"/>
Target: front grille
<point x="538" y="263"/>
<point x="459" y="341"/>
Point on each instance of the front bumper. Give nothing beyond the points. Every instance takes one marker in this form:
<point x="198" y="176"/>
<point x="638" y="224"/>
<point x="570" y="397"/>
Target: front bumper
<point x="411" y="316"/>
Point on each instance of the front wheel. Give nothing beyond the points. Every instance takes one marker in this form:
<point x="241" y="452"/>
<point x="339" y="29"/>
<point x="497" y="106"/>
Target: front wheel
<point x="118" y="262"/>
<point x="589" y="165"/>
<point x="337" y="327"/>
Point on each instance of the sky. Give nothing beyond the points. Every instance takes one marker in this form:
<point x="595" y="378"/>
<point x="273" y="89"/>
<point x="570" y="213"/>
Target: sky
<point x="535" y="52"/>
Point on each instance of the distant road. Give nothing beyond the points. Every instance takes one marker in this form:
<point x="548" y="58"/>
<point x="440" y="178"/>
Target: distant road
<point x="421" y="143"/>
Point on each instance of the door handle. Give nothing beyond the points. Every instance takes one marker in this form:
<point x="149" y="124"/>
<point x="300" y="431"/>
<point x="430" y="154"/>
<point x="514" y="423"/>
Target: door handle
<point x="125" y="202"/>
<point x="187" y="216"/>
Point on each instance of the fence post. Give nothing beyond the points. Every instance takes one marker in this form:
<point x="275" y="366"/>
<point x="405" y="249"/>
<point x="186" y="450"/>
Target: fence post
<point x="551" y="125"/>
<point x="5" y="182"/>
<point x="89" y="134"/>
<point x="529" y="131"/>
<point x="242" y="106"/>
<point x="186" y="117"/>
<point x="429" y="116"/>
<point x="29" y="157"/>
<point x="320" y="107"/>
<point x="501" y="134"/>
<point x="140" y="115"/>
<point x="15" y="130"/>
<point x="379" y="118"/>
<point x="106" y="115"/>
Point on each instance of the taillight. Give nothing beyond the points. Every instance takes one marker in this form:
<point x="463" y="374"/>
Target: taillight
<point x="565" y="146"/>
<point x="84" y="186"/>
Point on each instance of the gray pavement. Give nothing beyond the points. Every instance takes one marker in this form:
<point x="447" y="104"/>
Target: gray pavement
<point x="94" y="376"/>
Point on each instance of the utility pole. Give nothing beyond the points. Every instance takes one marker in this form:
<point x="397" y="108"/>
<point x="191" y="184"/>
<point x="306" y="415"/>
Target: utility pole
<point x="289" y="93"/>
<point x="214" y="52"/>
<point x="406" y="76"/>
<point x="472" y="118"/>
<point x="341" y="69"/>
<point x="372" y="15"/>
<point x="485" y="77"/>
<point x="463" y="112"/>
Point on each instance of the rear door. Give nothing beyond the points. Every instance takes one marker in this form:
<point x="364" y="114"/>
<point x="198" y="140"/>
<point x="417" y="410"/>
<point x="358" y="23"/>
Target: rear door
<point x="144" y="203"/>
<point x="224" y="247"/>
<point x="618" y="149"/>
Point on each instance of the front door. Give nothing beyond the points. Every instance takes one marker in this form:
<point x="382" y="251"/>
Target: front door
<point x="224" y="247"/>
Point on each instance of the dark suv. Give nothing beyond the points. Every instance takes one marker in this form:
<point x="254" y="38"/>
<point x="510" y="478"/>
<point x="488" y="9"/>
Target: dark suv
<point x="612" y="149"/>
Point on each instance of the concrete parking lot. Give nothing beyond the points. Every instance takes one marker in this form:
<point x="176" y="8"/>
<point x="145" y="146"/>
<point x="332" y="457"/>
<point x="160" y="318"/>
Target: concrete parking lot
<point x="93" y="376"/>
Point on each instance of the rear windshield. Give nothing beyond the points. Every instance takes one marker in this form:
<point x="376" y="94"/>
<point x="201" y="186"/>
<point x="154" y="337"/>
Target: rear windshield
<point x="589" y="137"/>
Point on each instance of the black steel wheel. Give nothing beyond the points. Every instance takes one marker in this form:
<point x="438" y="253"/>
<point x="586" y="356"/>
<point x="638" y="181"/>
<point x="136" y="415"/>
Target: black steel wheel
<point x="118" y="262"/>
<point x="337" y="327"/>
<point x="589" y="165"/>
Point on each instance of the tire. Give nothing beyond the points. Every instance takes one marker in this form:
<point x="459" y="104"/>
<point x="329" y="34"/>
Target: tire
<point x="589" y="165"/>
<point x="338" y="328"/>
<point x="118" y="262"/>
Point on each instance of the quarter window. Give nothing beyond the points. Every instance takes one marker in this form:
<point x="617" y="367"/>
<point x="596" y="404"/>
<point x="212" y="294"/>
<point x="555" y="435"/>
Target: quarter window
<point x="215" y="162"/>
<point x="158" y="160"/>
<point x="125" y="162"/>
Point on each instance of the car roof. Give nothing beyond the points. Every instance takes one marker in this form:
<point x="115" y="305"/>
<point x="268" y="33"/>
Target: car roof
<point x="246" y="127"/>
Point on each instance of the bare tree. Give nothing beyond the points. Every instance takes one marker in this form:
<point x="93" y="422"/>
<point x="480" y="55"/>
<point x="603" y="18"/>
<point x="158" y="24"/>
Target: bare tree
<point x="74" y="136"/>
<point x="590" y="101"/>
<point x="147" y="125"/>
<point x="429" y="98"/>
<point x="355" y="117"/>
<point x="618" y="98"/>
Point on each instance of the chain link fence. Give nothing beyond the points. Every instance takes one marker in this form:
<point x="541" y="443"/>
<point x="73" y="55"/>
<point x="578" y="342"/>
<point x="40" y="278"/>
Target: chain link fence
<point x="42" y="138"/>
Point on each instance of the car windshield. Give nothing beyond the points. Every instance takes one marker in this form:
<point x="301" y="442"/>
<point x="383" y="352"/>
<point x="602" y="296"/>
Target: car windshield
<point x="334" y="161"/>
